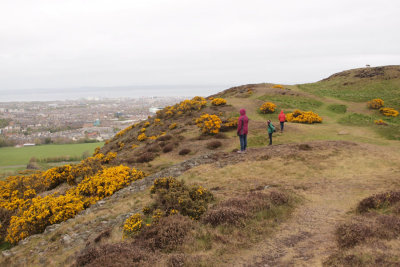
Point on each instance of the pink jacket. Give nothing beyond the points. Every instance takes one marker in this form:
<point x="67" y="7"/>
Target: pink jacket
<point x="243" y="123"/>
<point x="282" y="116"/>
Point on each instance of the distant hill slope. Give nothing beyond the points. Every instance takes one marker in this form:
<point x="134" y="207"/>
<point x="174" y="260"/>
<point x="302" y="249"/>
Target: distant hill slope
<point x="360" y="85"/>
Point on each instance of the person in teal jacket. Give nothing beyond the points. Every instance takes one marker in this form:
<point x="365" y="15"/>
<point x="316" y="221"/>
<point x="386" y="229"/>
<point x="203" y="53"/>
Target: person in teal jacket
<point x="271" y="130"/>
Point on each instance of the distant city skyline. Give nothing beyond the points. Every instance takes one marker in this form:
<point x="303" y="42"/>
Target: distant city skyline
<point x="59" y="46"/>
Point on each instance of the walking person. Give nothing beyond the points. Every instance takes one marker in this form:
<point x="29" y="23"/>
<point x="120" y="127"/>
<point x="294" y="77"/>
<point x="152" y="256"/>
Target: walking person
<point x="271" y="130"/>
<point x="282" y="119"/>
<point x="242" y="130"/>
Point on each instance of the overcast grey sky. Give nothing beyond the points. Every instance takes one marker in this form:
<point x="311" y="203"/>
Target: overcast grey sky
<point x="76" y="43"/>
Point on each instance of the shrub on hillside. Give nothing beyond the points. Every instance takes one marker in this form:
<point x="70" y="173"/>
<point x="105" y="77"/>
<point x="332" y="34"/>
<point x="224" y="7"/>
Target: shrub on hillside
<point x="5" y="218"/>
<point x="172" y="126"/>
<point x="171" y="194"/>
<point x="167" y="234"/>
<point x="209" y="124"/>
<point x="146" y="157"/>
<point x="390" y="112"/>
<point x="164" y="137"/>
<point x="221" y="136"/>
<point x="229" y="124"/>
<point x="184" y="151"/>
<point x="118" y="254"/>
<point x="186" y="106"/>
<point x="218" y="102"/>
<point x="378" y="226"/>
<point x="267" y="107"/>
<point x="153" y="148"/>
<point x="303" y="117"/>
<point x="142" y="137"/>
<point x="133" y="225"/>
<point x="32" y="212"/>
<point x="379" y="201"/>
<point x="278" y="86"/>
<point x="350" y="234"/>
<point x="235" y="210"/>
<point x="168" y="148"/>
<point x="214" y="144"/>
<point x="380" y="122"/>
<point x="278" y="198"/>
<point x="376" y="103"/>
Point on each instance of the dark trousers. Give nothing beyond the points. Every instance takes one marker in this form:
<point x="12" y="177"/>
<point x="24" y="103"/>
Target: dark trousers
<point x="282" y="124"/>
<point x="243" y="142"/>
<point x="270" y="138"/>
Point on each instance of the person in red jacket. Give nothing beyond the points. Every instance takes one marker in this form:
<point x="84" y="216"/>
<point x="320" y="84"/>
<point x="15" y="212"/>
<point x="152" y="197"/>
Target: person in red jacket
<point x="282" y="119"/>
<point x="242" y="130"/>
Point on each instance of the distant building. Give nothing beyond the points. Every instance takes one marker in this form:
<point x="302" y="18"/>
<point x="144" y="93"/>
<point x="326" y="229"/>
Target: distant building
<point x="29" y="144"/>
<point x="368" y="66"/>
<point x="154" y="109"/>
<point x="96" y="122"/>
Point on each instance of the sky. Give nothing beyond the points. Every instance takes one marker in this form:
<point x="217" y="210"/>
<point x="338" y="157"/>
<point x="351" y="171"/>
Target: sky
<point x="59" y="44"/>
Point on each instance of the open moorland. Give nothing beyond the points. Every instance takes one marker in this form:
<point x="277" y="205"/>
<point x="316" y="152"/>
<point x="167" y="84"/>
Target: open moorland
<point x="173" y="191"/>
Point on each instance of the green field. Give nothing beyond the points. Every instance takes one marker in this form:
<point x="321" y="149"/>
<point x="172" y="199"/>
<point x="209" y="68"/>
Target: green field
<point x="12" y="156"/>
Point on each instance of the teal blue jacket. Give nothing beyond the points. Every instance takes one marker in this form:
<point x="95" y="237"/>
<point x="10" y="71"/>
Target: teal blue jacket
<point x="271" y="128"/>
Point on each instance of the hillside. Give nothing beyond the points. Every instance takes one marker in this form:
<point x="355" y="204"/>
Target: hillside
<point x="191" y="200"/>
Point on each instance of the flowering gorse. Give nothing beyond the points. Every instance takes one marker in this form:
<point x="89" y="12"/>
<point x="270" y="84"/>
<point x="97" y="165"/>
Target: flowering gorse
<point x="196" y="103"/>
<point x="218" y="102"/>
<point x="209" y="124"/>
<point x="278" y="86"/>
<point x="390" y="112"/>
<point x="32" y="212"/>
<point x="142" y="137"/>
<point x="380" y="122"/>
<point x="267" y="107"/>
<point x="376" y="103"/>
<point x="303" y="117"/>
<point x="172" y="126"/>
<point x="133" y="225"/>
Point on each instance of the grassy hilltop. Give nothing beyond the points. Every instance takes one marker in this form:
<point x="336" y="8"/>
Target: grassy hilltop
<point x="324" y="194"/>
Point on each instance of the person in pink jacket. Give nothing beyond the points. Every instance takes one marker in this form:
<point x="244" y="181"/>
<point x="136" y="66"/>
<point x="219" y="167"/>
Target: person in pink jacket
<point x="282" y="119"/>
<point x="242" y="130"/>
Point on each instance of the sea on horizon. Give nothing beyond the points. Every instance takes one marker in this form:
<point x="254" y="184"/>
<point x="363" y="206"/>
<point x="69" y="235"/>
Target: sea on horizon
<point x="107" y="92"/>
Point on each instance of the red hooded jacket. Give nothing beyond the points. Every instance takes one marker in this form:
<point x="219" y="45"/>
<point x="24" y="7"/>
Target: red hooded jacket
<point x="282" y="116"/>
<point x="243" y="123"/>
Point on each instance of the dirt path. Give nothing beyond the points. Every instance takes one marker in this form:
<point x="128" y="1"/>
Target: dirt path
<point x="307" y="238"/>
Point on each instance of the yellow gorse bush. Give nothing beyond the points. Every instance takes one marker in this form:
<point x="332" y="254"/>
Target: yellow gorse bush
<point x="196" y="103"/>
<point x="303" y="117"/>
<point x="38" y="212"/>
<point x="389" y="112"/>
<point x="96" y="151"/>
<point x="124" y="131"/>
<point x="267" y="107"/>
<point x="209" y="124"/>
<point x="278" y="86"/>
<point x="146" y="124"/>
<point x="33" y="212"/>
<point x="218" y="102"/>
<point x="142" y="137"/>
<point x="133" y="225"/>
<point x="380" y="122"/>
<point x="172" y="126"/>
<point x="230" y="123"/>
<point x="376" y="103"/>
